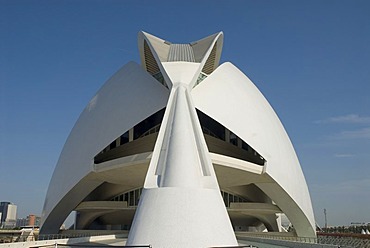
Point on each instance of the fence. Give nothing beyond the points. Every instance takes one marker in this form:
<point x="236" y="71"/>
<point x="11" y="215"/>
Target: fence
<point x="337" y="239"/>
<point x="16" y="236"/>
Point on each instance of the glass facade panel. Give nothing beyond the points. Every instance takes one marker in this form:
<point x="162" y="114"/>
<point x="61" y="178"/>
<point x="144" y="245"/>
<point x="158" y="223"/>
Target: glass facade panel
<point x="112" y="145"/>
<point x="132" y="197"/>
<point x="245" y="146"/>
<point x="201" y="77"/>
<point x="231" y="199"/>
<point x="148" y="123"/>
<point x="124" y="138"/>
<point x="160" y="78"/>
<point x="233" y="139"/>
<point x="210" y="126"/>
<point x="226" y="199"/>
<point x="137" y="196"/>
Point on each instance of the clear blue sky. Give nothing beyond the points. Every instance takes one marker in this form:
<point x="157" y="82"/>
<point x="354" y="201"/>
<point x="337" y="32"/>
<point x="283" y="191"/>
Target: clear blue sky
<point x="311" y="59"/>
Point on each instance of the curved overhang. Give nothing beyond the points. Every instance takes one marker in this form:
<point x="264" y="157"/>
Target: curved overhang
<point x="102" y="121"/>
<point x="159" y="50"/>
<point x="211" y="58"/>
<point x="215" y="46"/>
<point x="229" y="97"/>
<point x="128" y="173"/>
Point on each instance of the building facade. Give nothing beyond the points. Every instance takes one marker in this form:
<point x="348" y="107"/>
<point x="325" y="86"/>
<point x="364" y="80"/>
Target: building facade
<point x="30" y="221"/>
<point x="179" y="125"/>
<point x="8" y="212"/>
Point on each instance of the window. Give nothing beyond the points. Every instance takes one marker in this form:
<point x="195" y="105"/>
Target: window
<point x="148" y="123"/>
<point x="201" y="77"/>
<point x="112" y="145"/>
<point x="210" y="126"/>
<point x="124" y="138"/>
<point x="233" y="139"/>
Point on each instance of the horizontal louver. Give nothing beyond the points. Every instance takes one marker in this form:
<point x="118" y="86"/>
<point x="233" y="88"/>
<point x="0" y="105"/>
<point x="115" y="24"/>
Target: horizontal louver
<point x="210" y="63"/>
<point x="150" y="63"/>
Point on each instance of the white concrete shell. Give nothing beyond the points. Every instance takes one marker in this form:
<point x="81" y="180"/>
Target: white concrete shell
<point x="228" y="96"/>
<point x="102" y="121"/>
<point x="180" y="170"/>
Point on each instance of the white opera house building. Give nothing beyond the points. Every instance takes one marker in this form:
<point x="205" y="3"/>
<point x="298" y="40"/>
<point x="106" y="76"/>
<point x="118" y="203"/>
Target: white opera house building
<point x="178" y="148"/>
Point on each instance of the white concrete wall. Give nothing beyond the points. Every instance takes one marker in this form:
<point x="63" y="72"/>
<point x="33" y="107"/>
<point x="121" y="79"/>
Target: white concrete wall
<point x="129" y="96"/>
<point x="229" y="97"/>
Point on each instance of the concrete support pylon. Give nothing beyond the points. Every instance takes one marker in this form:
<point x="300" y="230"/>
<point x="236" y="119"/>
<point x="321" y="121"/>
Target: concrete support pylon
<point x="181" y="204"/>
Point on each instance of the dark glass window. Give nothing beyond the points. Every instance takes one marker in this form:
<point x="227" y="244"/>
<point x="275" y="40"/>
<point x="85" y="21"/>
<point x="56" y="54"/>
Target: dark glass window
<point x="245" y="146"/>
<point x="233" y="139"/>
<point x="210" y="126"/>
<point x="131" y="198"/>
<point x="124" y="138"/>
<point x="226" y="199"/>
<point x="148" y="123"/>
<point x="230" y="199"/>
<point x="137" y="196"/>
<point x="112" y="145"/>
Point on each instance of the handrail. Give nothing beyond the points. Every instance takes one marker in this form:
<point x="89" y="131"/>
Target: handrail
<point x="280" y="237"/>
<point x="11" y="238"/>
<point x="74" y="235"/>
<point x="92" y="245"/>
<point x="322" y="238"/>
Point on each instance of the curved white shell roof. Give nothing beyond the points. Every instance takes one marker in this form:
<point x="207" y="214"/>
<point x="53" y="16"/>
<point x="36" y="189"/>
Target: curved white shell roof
<point x="127" y="98"/>
<point x="231" y="98"/>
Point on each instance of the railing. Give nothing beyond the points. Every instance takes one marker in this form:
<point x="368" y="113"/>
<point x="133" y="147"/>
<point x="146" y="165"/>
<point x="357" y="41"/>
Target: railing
<point x="72" y="240"/>
<point x="338" y="239"/>
<point x="73" y="235"/>
<point x="242" y="246"/>
<point x="56" y="245"/>
<point x="345" y="239"/>
<point x="311" y="240"/>
<point x="10" y="238"/>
